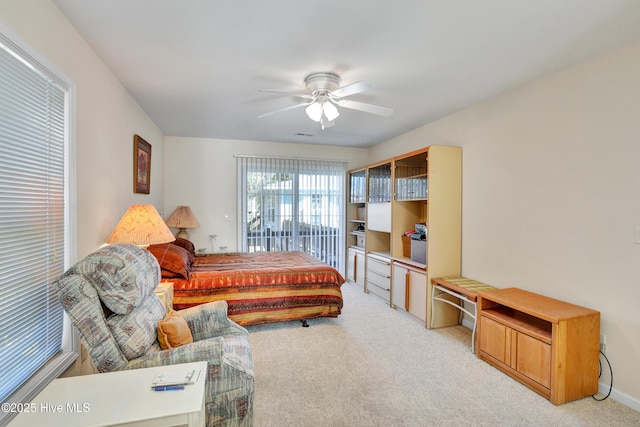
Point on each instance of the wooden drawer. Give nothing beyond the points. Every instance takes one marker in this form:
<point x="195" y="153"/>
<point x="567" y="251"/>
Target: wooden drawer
<point x="379" y="276"/>
<point x="379" y="288"/>
<point x="378" y="279"/>
<point x="381" y="267"/>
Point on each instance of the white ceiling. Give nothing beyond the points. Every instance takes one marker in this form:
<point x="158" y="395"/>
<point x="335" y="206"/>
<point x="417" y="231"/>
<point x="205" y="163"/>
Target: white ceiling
<point x="197" y="66"/>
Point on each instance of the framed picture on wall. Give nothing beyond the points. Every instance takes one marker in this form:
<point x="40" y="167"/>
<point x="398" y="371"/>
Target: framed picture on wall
<point x="141" y="165"/>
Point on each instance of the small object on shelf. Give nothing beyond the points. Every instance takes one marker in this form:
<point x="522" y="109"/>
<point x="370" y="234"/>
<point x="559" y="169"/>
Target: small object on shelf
<point x="406" y="245"/>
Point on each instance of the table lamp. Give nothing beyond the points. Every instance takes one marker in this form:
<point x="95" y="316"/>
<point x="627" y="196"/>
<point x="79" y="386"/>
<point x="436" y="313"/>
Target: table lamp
<point x="182" y="218"/>
<point x="141" y="225"/>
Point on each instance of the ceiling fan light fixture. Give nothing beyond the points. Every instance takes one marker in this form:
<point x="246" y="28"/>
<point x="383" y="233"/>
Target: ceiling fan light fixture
<point x="330" y="111"/>
<point x="314" y="111"/>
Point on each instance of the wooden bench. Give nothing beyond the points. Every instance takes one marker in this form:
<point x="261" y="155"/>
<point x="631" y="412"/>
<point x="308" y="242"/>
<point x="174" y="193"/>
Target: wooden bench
<point x="466" y="290"/>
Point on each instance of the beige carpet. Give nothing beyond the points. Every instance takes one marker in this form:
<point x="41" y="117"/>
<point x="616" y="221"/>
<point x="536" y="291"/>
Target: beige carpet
<point x="375" y="366"/>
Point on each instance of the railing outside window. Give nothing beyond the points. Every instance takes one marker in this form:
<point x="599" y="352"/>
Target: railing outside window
<point x="293" y="205"/>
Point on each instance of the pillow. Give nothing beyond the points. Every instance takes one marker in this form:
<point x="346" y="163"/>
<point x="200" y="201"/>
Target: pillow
<point x="173" y="331"/>
<point x="166" y="274"/>
<point x="172" y="258"/>
<point x="187" y="244"/>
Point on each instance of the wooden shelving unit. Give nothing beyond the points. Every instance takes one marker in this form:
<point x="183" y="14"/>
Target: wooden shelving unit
<point x="423" y="186"/>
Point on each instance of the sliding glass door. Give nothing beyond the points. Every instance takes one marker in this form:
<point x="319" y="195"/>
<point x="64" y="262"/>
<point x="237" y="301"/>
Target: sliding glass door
<point x="292" y="205"/>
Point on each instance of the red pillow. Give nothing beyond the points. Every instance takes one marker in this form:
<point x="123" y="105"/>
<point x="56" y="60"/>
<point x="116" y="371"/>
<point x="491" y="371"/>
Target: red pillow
<point x="187" y="244"/>
<point x="166" y="274"/>
<point x="172" y="258"/>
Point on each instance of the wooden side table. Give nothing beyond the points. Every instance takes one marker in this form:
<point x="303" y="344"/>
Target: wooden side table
<point x="122" y="398"/>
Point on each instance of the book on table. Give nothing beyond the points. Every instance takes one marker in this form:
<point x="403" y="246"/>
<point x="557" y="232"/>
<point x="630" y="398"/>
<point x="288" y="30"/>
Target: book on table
<point x="175" y="378"/>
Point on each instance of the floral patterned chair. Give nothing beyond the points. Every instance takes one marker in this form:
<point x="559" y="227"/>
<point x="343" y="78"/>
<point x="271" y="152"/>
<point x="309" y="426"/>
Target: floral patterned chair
<point x="110" y="299"/>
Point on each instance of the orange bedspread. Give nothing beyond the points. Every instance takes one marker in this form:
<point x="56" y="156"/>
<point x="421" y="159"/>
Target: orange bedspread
<point x="263" y="287"/>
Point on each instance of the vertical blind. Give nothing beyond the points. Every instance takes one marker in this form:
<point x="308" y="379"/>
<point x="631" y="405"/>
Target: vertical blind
<point x="293" y="205"/>
<point x="32" y="218"/>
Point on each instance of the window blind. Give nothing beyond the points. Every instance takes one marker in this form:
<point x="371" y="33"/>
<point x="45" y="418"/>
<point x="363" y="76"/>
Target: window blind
<point x="33" y="109"/>
<point x="293" y="205"/>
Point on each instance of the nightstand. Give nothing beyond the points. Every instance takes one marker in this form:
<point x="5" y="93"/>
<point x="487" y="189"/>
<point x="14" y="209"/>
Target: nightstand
<point x="165" y="293"/>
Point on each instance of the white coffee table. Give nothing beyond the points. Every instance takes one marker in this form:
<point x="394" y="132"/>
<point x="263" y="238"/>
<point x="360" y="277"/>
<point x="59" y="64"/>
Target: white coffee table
<point x="123" y="398"/>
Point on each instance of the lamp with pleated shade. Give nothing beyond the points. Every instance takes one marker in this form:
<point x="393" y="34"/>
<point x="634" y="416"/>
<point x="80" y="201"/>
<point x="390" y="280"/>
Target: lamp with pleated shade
<point x="182" y="218"/>
<point x="141" y="225"/>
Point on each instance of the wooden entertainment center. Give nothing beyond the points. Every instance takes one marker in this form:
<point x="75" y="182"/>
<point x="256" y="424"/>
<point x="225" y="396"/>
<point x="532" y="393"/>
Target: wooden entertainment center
<point x="548" y="345"/>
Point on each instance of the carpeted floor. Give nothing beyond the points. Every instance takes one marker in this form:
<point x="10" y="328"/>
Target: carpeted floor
<point x="375" y="366"/>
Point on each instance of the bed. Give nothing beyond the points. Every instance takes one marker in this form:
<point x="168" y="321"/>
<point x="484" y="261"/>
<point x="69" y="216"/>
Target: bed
<point x="261" y="287"/>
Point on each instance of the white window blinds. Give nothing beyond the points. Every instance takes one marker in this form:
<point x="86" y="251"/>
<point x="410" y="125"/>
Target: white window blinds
<point x="33" y="110"/>
<point x="293" y="205"/>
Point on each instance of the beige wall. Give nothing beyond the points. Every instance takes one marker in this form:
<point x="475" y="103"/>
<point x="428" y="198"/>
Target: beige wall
<point x="551" y="195"/>
<point x="551" y="188"/>
<point x="107" y="119"/>
<point x="201" y="173"/>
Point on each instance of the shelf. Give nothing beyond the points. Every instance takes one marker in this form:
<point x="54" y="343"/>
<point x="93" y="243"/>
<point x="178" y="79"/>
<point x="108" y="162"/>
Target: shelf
<point x="522" y="322"/>
<point x="410" y="262"/>
<point x="381" y="255"/>
<point x="425" y="199"/>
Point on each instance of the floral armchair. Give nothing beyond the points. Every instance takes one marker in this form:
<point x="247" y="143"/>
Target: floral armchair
<point x="110" y="300"/>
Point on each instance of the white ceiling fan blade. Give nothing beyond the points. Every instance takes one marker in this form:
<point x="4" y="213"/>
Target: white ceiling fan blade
<point x="367" y="108"/>
<point x="352" y="89"/>
<point x="304" y="104"/>
<point x="303" y="95"/>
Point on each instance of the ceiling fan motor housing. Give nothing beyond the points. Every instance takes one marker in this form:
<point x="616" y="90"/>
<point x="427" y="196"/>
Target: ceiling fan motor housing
<point x="321" y="83"/>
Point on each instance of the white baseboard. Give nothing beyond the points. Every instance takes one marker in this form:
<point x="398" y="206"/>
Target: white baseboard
<point x="618" y="396"/>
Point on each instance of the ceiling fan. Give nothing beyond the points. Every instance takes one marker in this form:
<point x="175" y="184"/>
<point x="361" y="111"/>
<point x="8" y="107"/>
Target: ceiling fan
<point x="324" y="95"/>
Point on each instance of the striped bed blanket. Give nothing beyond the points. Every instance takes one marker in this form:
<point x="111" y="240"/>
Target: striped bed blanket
<point x="263" y="287"/>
